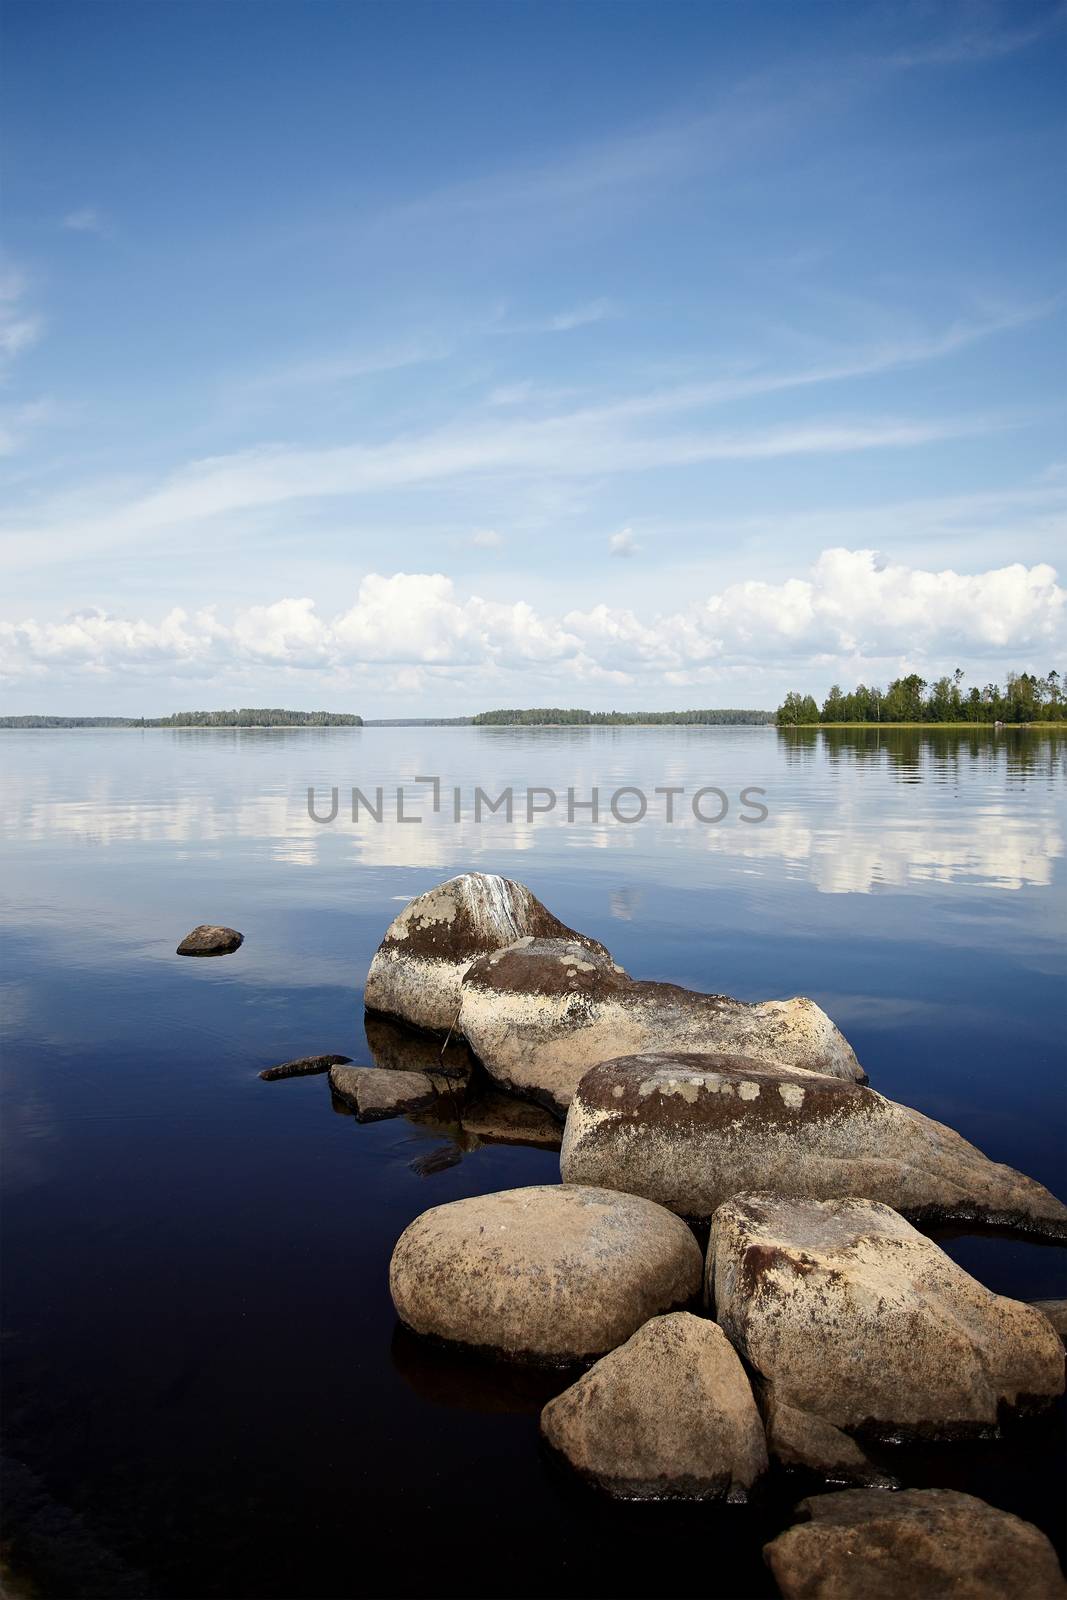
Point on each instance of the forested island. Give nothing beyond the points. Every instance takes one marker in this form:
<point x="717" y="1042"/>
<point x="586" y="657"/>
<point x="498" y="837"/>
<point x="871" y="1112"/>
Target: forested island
<point x="554" y="716"/>
<point x="1025" y="698"/>
<point x="272" y="717"/>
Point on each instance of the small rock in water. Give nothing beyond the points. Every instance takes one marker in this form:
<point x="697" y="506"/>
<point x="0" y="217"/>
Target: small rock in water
<point x="848" y="1312"/>
<point x="920" y="1544"/>
<point x="375" y="1092"/>
<point x="210" y="940"/>
<point x="798" y="1439"/>
<point x="551" y="1274"/>
<point x="668" y="1415"/>
<point x="304" y="1066"/>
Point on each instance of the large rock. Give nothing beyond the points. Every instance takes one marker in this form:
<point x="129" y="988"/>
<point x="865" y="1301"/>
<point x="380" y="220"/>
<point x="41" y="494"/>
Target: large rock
<point x="374" y="1092"/>
<point x="552" y="1274"/>
<point x="844" y="1310"/>
<point x="922" y="1544"/>
<point x="689" y="1131"/>
<point x="668" y="1415"/>
<point x="211" y="940"/>
<point x="416" y="971"/>
<point x="540" y="1013"/>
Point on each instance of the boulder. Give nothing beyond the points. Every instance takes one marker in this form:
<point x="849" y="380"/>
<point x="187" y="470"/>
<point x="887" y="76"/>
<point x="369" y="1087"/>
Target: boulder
<point x="1056" y="1312"/>
<point x="922" y="1543"/>
<point x="210" y="940"/>
<point x="668" y="1415"/>
<point x="541" y="1012"/>
<point x="375" y="1092"/>
<point x="304" y="1067"/>
<point x="551" y="1274"/>
<point x="845" y="1311"/>
<point x="416" y="971"/>
<point x="689" y="1131"/>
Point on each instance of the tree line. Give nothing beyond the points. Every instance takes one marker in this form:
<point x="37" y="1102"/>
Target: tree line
<point x="1024" y="698"/>
<point x="272" y="717"/>
<point x="544" y="716"/>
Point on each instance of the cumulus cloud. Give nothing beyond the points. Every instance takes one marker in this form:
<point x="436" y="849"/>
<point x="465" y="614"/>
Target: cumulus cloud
<point x="623" y="543"/>
<point x="486" y="539"/>
<point x="851" y="606"/>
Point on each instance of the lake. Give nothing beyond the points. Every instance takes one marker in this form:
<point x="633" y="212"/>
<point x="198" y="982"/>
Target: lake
<point x="206" y="1392"/>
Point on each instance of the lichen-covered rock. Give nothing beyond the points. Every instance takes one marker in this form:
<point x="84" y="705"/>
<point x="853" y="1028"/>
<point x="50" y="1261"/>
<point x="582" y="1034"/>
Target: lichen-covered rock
<point x="689" y="1131"/>
<point x="668" y="1415"/>
<point x="304" y="1066"/>
<point x="211" y="940"/>
<point x="416" y="971"/>
<point x="852" y="1315"/>
<point x="541" y="1012"/>
<point x="1056" y="1312"/>
<point x="922" y="1544"/>
<point x="374" y="1092"/>
<point x="552" y="1274"/>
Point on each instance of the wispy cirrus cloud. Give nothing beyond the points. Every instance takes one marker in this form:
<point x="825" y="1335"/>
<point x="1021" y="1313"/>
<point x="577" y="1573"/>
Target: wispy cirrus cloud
<point x="20" y="327"/>
<point x="86" y="219"/>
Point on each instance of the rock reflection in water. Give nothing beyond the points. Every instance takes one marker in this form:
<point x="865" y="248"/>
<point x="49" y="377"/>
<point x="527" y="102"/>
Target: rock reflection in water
<point x="465" y="1382"/>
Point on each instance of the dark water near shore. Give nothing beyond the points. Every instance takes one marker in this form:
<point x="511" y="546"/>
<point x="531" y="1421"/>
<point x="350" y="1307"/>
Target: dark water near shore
<point x="205" y="1390"/>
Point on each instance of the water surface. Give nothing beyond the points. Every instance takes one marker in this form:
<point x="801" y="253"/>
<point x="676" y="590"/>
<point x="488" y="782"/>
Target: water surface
<point x="206" y="1392"/>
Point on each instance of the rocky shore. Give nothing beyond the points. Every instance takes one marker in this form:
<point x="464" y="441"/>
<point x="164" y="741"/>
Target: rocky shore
<point x="731" y="1271"/>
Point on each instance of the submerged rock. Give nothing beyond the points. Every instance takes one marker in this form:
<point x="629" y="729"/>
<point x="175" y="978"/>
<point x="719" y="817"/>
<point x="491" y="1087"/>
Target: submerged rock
<point x="496" y="1118"/>
<point x="1056" y="1312"/>
<point x="416" y="971"/>
<point x="550" y="1274"/>
<point x="668" y="1415"/>
<point x="798" y="1439"/>
<point x="375" y="1092"/>
<point x="406" y="1049"/>
<point x="540" y="1013"/>
<point x="304" y="1067"/>
<point x="844" y="1310"/>
<point x="690" y="1131"/>
<point x="922" y="1543"/>
<point x="210" y="940"/>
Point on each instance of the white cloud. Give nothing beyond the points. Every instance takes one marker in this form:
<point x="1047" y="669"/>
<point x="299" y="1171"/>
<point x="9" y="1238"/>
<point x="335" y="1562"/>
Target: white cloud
<point x="851" y="607"/>
<point x="19" y="328"/>
<point x="86" y="219"/>
<point x="623" y="543"/>
<point x="486" y="539"/>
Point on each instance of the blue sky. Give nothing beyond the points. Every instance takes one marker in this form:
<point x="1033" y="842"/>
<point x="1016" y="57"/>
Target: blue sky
<point x="412" y="358"/>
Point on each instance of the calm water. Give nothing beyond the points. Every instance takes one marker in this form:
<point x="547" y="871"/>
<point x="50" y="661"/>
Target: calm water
<point x="206" y="1393"/>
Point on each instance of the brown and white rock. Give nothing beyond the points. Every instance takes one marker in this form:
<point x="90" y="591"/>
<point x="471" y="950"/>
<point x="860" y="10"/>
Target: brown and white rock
<point x="550" y="1274"/>
<point x="851" y="1314"/>
<point x="375" y="1092"/>
<point x="668" y="1415"/>
<point x="921" y="1544"/>
<point x="540" y="1013"/>
<point x="690" y="1131"/>
<point x="304" y="1066"/>
<point x="416" y="971"/>
<point x="209" y="939"/>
